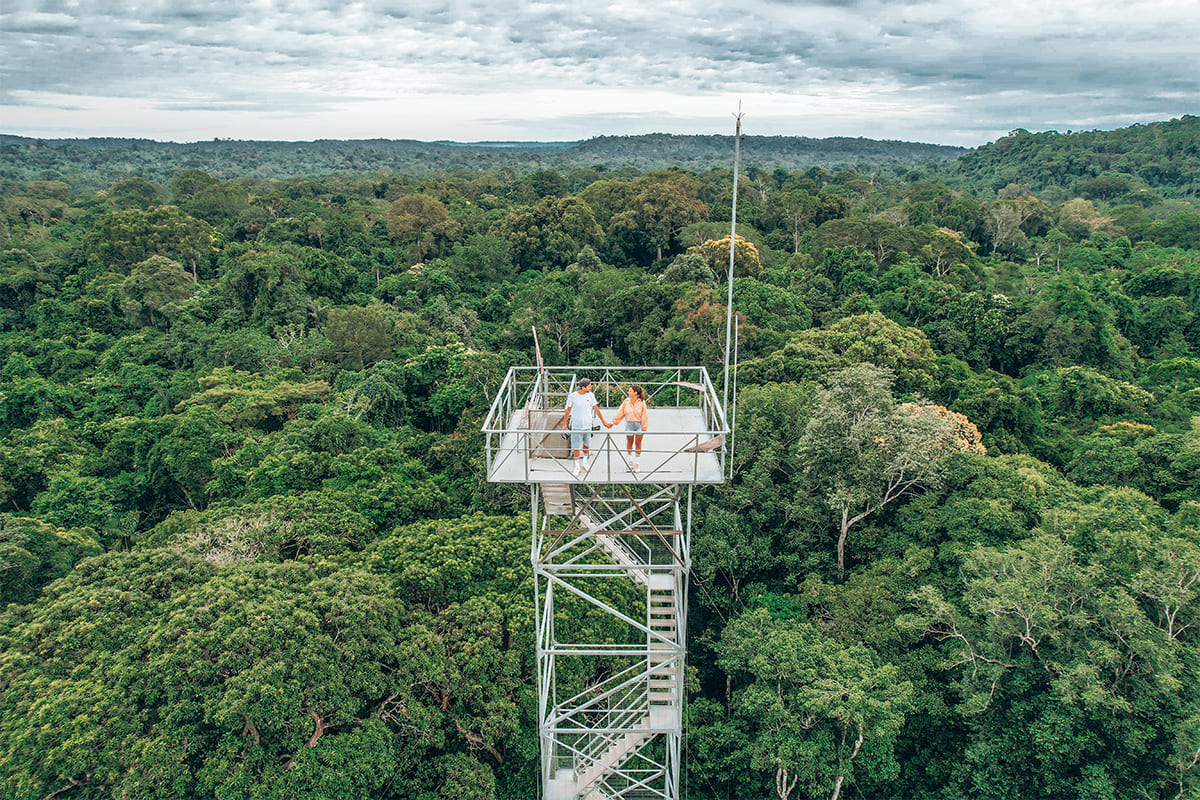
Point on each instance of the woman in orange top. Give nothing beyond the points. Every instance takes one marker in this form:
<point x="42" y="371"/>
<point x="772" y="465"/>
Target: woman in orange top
<point x="637" y="421"/>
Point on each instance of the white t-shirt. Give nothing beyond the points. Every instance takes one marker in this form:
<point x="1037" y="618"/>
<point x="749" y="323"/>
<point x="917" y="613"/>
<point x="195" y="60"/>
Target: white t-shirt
<point x="581" y="406"/>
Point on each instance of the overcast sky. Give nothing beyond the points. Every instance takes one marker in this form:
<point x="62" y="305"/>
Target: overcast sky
<point x="942" y="71"/>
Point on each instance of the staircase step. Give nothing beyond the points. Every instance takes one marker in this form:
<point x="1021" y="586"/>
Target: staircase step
<point x="617" y="753"/>
<point x="662" y="582"/>
<point x="622" y="557"/>
<point x="558" y="499"/>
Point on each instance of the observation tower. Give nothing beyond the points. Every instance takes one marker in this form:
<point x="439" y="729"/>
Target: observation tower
<point x="611" y="553"/>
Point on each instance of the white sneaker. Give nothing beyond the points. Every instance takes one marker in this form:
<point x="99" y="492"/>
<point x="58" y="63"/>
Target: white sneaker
<point x="578" y="470"/>
<point x="634" y="467"/>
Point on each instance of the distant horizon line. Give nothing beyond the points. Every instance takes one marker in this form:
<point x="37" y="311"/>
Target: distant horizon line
<point x="561" y="144"/>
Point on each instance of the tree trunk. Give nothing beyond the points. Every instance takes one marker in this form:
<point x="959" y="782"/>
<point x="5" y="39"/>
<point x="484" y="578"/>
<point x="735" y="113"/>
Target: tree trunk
<point x="319" y="726"/>
<point x="74" y="783"/>
<point x="841" y="543"/>
<point x="841" y="778"/>
<point x="248" y="729"/>
<point x="847" y="523"/>
<point x="783" y="786"/>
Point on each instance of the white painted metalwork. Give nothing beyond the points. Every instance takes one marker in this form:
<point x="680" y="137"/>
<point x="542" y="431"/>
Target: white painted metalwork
<point x="611" y="554"/>
<point x="685" y="443"/>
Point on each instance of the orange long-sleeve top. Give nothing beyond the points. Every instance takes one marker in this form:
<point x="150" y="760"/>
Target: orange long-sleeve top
<point x="635" y="411"/>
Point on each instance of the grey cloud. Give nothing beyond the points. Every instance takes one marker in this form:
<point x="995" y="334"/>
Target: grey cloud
<point x="802" y="4"/>
<point x="929" y="55"/>
<point x="38" y="23"/>
<point x="269" y="103"/>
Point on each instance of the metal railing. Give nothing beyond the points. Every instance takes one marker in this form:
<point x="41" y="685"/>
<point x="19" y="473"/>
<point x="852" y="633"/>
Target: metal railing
<point x="523" y="429"/>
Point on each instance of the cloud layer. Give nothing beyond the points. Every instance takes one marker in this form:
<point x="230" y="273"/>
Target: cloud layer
<point x="944" y="71"/>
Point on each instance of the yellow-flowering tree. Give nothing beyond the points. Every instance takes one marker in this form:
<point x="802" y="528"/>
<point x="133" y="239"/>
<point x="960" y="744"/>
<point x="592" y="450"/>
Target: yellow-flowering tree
<point x="715" y="253"/>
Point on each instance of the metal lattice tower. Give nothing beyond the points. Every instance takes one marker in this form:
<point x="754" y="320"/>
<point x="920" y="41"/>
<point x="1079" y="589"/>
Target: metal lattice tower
<point x="611" y="553"/>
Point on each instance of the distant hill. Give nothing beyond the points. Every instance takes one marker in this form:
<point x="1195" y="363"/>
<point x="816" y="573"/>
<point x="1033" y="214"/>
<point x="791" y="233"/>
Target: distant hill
<point x="103" y="160"/>
<point x="1107" y="165"/>
<point x="1114" y="166"/>
<point x="656" y="150"/>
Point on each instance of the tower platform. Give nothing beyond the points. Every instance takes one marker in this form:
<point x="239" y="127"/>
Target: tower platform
<point x="685" y="442"/>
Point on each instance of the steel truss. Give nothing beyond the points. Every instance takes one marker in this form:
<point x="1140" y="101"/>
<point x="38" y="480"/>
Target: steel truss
<point x="611" y="554"/>
<point x="610" y="696"/>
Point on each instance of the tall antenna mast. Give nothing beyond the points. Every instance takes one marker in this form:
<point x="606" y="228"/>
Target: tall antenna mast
<point x="737" y="157"/>
<point x="732" y="410"/>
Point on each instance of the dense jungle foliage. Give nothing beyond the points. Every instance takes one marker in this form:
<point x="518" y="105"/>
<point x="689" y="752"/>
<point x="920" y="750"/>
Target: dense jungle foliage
<point x="93" y="164"/>
<point x="247" y="549"/>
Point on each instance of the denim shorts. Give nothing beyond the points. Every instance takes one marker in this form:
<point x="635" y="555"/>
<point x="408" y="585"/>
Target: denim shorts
<point x="633" y="427"/>
<point x="580" y="439"/>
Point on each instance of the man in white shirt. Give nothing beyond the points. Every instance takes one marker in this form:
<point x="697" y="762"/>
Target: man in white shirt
<point x="581" y="404"/>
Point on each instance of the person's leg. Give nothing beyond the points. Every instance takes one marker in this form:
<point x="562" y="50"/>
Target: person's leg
<point x="629" y="445"/>
<point x="576" y="448"/>
<point x="637" y="449"/>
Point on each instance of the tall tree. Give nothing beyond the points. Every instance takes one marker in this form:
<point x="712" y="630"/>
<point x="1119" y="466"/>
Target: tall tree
<point x="421" y="217"/>
<point x="123" y="238"/>
<point x="663" y="205"/>
<point x="862" y="451"/>
<point x="550" y="234"/>
<point x="155" y="286"/>
<point x="817" y="707"/>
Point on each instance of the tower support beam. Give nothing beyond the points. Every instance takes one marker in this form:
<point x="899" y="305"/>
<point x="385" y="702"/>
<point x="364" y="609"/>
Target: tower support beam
<point x="611" y="558"/>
